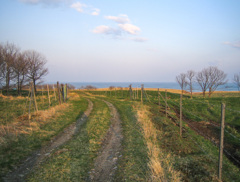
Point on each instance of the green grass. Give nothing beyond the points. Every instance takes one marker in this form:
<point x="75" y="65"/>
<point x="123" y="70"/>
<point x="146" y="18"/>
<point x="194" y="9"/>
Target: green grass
<point x="78" y="157"/>
<point x="193" y="155"/>
<point x="16" y="148"/>
<point x="133" y="164"/>
<point x="11" y="107"/>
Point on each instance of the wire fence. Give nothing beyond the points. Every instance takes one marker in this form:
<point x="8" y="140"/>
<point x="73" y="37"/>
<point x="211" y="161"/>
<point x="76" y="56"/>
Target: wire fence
<point x="175" y="106"/>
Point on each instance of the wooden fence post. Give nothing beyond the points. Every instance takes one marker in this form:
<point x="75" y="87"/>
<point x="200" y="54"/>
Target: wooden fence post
<point x="65" y="92"/>
<point x="49" y="100"/>
<point x="130" y="91"/>
<point x="221" y="142"/>
<point x="59" y="95"/>
<point x="54" y="93"/>
<point x="30" y="103"/>
<point x="34" y="97"/>
<point x="166" y="103"/>
<point x="180" y="115"/>
<point x="142" y="87"/>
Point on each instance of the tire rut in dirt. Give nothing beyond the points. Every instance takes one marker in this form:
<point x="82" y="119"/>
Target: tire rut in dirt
<point x="39" y="156"/>
<point x="106" y="163"/>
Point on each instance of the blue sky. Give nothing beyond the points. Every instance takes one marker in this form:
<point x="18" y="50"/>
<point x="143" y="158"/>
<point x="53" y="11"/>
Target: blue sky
<point x="127" y="40"/>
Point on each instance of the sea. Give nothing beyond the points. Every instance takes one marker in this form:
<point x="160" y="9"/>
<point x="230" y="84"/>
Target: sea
<point x="166" y="85"/>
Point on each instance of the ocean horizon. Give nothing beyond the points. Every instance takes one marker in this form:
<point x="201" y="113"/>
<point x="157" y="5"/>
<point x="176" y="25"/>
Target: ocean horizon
<point x="166" y="85"/>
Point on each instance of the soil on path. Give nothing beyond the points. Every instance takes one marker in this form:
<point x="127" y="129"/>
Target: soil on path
<point x="106" y="163"/>
<point x="39" y="156"/>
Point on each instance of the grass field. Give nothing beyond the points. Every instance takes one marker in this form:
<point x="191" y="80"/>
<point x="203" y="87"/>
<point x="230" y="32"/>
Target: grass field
<point x="19" y="138"/>
<point x="195" y="149"/>
<point x="152" y="149"/>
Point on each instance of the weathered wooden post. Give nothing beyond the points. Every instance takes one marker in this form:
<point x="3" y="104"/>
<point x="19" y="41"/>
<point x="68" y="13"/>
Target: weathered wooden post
<point x="130" y="91"/>
<point x="59" y="95"/>
<point x="49" y="100"/>
<point x="180" y="115"/>
<point x="30" y="103"/>
<point x="62" y="92"/>
<point x="34" y="97"/>
<point x="65" y="92"/>
<point x="142" y="87"/>
<point x="166" y="103"/>
<point x="221" y="143"/>
<point x="54" y="93"/>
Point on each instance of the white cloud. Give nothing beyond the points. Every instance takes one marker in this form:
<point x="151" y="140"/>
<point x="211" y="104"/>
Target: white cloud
<point x="233" y="44"/>
<point x="78" y="6"/>
<point x="95" y="12"/>
<point x="129" y="28"/>
<point x="103" y="29"/>
<point x="123" y="26"/>
<point x="119" y="19"/>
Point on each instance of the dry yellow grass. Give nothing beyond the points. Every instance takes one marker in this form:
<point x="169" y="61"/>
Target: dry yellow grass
<point x="159" y="163"/>
<point x="22" y="125"/>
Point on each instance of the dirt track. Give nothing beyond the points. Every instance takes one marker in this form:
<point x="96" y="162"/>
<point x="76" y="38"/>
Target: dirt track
<point x="41" y="155"/>
<point x="106" y="162"/>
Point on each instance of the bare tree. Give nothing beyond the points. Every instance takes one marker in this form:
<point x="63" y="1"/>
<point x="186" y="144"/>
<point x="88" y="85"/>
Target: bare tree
<point x="236" y="80"/>
<point x="210" y="78"/>
<point x="37" y="68"/>
<point x="190" y="76"/>
<point x="90" y="87"/>
<point x="21" y="66"/>
<point x="111" y="87"/>
<point x="203" y="80"/>
<point x="9" y="54"/>
<point x="181" y="79"/>
<point x="216" y="78"/>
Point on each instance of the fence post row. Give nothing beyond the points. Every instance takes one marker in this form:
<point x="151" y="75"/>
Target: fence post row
<point x="221" y="142"/>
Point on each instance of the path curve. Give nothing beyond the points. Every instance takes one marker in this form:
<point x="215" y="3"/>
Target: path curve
<point x="106" y="163"/>
<point x="41" y="155"/>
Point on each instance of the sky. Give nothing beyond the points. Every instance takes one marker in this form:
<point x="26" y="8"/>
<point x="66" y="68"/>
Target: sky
<point x="125" y="40"/>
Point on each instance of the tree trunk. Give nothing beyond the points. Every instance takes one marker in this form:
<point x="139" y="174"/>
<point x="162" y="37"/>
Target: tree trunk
<point x="34" y="84"/>
<point x="18" y="84"/>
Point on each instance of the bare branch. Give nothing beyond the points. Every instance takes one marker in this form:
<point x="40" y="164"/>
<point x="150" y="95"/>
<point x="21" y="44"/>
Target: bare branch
<point x="190" y="76"/>
<point x="36" y="68"/>
<point x="181" y="79"/>
<point x="236" y="80"/>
